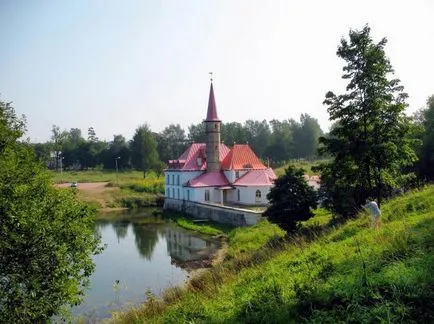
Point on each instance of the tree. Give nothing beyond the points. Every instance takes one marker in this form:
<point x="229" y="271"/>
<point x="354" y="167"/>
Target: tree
<point x="306" y="137"/>
<point x="291" y="200"/>
<point x="281" y="142"/>
<point x="47" y="239"/>
<point x="144" y="156"/>
<point x="426" y="151"/>
<point x="368" y="144"/>
<point x="258" y="135"/>
<point x="196" y="133"/>
<point x="171" y="143"/>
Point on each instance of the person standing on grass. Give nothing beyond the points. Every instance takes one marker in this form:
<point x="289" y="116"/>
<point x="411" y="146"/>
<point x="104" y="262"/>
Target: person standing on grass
<point x="375" y="211"/>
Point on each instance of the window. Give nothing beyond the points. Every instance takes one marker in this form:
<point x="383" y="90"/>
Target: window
<point x="188" y="194"/>
<point x="173" y="179"/>
<point x="173" y="193"/>
<point x="177" y="180"/>
<point x="167" y="192"/>
<point x="206" y="195"/>
<point x="258" y="196"/>
<point x="237" y="174"/>
<point x="239" y="195"/>
<point x="178" y="193"/>
<point x="167" y="179"/>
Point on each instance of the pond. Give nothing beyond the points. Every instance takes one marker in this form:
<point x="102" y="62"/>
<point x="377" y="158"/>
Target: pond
<point x="143" y="254"/>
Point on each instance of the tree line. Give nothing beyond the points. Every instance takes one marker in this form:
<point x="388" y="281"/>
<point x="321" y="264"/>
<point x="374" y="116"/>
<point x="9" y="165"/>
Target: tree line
<point x="276" y="141"/>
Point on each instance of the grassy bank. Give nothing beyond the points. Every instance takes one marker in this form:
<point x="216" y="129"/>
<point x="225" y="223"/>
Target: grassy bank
<point x="126" y="189"/>
<point x="305" y="165"/>
<point x="353" y="273"/>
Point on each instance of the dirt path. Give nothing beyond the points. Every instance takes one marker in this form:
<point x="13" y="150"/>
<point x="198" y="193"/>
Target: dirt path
<point x="93" y="186"/>
<point x="96" y="192"/>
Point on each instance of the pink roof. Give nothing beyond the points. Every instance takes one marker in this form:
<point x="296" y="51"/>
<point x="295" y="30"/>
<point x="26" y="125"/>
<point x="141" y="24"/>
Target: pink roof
<point x="257" y="178"/>
<point x="209" y="179"/>
<point x="188" y="161"/>
<point x="241" y="157"/>
<point x="212" y="107"/>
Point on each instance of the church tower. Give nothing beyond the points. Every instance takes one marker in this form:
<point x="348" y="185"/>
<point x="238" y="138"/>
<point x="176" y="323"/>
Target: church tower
<point x="212" y="129"/>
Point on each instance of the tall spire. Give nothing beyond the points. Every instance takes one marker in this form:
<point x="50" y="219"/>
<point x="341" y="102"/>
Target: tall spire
<point x="212" y="107"/>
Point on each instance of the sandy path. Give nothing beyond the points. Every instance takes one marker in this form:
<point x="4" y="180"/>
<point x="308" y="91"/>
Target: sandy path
<point x="89" y="186"/>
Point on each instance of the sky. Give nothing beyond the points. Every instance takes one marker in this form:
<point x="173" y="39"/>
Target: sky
<point x="115" y="65"/>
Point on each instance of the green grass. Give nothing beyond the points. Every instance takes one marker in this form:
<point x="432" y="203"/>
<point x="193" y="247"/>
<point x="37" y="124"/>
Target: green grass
<point x="305" y="165"/>
<point x="353" y="273"/>
<point x="197" y="227"/>
<point x="97" y="176"/>
<point x="132" y="190"/>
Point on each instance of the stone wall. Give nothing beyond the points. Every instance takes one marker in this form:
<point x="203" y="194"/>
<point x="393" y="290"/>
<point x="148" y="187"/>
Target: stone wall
<point x="216" y="213"/>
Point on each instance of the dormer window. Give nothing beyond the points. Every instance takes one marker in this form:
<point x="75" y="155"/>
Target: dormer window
<point x="199" y="161"/>
<point x="237" y="174"/>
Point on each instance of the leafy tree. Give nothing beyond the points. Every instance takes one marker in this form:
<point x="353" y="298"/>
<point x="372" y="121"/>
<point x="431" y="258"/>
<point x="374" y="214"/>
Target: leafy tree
<point x="171" y="143"/>
<point x="118" y="148"/>
<point x="368" y="143"/>
<point x="258" y="135"/>
<point x="426" y="151"/>
<point x="47" y="239"/>
<point x="196" y="133"/>
<point x="57" y="139"/>
<point x="291" y="200"/>
<point x="306" y="137"/>
<point x="281" y="141"/>
<point x="144" y="155"/>
<point x="233" y="133"/>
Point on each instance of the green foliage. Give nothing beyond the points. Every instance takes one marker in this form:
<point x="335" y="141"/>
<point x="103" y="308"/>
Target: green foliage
<point x="47" y="237"/>
<point x="426" y="151"/>
<point x="144" y="155"/>
<point x="291" y="200"/>
<point x="368" y="143"/>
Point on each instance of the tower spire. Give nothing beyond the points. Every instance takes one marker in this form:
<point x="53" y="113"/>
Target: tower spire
<point x="212" y="107"/>
<point x="212" y="129"/>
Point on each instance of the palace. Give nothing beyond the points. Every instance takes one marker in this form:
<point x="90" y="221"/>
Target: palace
<point x="212" y="173"/>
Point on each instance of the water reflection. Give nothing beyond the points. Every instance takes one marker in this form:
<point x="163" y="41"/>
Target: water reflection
<point x="142" y="252"/>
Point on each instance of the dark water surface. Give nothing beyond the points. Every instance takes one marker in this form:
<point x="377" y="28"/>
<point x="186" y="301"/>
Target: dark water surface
<point x="140" y="256"/>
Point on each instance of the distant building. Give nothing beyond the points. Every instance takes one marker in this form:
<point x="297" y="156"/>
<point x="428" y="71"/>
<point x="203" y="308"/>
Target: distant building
<point x="213" y="173"/>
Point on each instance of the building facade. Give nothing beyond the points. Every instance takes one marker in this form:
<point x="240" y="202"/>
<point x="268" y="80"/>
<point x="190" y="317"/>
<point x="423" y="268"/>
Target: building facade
<point x="212" y="173"/>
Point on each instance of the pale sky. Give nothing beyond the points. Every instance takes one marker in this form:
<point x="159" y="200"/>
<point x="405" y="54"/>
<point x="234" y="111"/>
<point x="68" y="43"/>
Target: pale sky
<point x="115" y="65"/>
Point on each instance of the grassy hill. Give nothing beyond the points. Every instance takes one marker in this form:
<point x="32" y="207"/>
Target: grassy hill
<point x="352" y="273"/>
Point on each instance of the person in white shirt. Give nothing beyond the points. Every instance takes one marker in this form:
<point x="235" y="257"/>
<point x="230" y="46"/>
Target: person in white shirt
<point x="374" y="210"/>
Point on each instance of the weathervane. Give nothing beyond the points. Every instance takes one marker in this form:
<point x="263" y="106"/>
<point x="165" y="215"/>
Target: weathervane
<point x="210" y="73"/>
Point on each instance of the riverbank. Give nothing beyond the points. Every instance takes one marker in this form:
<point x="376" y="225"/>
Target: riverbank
<point x="109" y="191"/>
<point x="327" y="273"/>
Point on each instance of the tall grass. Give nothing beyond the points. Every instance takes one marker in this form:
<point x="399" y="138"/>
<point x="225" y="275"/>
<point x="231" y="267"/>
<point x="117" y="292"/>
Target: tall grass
<point x="355" y="273"/>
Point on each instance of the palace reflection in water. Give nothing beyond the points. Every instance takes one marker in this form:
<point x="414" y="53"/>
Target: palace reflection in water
<point x="142" y="253"/>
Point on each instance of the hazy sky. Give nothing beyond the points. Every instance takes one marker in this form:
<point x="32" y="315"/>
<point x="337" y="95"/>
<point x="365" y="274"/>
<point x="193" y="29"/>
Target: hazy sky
<point x="115" y="65"/>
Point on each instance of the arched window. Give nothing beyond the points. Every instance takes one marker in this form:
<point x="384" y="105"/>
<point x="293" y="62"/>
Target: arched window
<point x="177" y="180"/>
<point x="258" y="196"/>
<point x="238" y="195"/>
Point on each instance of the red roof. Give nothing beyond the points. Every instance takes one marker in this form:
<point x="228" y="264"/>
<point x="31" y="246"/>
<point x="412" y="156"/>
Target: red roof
<point x="188" y="161"/>
<point x="209" y="179"/>
<point x="241" y="157"/>
<point x="212" y="107"/>
<point x="257" y="178"/>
